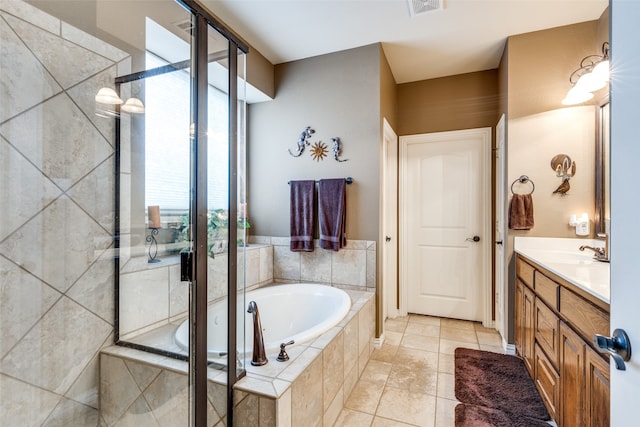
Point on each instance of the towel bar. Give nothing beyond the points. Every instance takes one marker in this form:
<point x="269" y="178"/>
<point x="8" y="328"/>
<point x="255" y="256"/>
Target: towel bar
<point x="348" y="180"/>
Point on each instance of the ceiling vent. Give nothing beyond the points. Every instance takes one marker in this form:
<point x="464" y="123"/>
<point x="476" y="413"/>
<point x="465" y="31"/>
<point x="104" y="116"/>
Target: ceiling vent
<point x="185" y="26"/>
<point x="419" y="7"/>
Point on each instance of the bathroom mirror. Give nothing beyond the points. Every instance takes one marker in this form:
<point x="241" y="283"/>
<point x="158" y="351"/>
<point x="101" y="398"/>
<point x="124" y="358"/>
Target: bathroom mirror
<point x="602" y="216"/>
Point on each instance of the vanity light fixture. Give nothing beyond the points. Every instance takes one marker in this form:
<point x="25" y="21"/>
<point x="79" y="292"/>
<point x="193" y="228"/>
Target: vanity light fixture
<point x="592" y="75"/>
<point x="134" y="106"/>
<point x="108" y="96"/>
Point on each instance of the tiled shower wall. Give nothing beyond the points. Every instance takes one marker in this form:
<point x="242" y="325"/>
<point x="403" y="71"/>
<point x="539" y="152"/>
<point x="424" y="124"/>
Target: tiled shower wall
<point x="56" y="218"/>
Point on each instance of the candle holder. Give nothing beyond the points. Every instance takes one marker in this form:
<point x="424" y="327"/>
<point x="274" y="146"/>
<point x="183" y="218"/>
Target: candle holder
<point x="153" y="245"/>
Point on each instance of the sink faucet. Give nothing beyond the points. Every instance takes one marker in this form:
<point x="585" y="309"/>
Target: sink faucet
<point x="600" y="254"/>
<point x="259" y="354"/>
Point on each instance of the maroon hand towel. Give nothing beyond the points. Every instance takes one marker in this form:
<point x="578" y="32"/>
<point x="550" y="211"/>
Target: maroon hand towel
<point x="332" y="213"/>
<point x="302" y="215"/>
<point x="521" y="212"/>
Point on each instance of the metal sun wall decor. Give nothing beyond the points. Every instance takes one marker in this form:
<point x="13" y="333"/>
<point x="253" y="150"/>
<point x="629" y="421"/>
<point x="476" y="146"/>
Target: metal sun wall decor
<point x="565" y="168"/>
<point x="319" y="149"/>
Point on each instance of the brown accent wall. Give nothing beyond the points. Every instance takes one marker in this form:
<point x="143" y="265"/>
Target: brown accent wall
<point x="463" y="101"/>
<point x="388" y="93"/>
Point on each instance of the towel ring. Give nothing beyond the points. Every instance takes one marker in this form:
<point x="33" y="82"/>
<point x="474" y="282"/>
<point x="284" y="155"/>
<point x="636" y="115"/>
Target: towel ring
<point x="523" y="179"/>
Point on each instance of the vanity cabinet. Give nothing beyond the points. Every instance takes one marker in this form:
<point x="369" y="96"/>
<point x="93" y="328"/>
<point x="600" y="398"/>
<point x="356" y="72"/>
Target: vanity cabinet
<point x="554" y="325"/>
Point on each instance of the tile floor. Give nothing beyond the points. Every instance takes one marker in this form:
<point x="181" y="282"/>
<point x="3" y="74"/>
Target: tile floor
<point x="409" y="381"/>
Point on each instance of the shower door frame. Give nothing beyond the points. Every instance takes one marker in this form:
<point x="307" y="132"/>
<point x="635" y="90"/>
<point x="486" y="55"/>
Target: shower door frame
<point x="197" y="269"/>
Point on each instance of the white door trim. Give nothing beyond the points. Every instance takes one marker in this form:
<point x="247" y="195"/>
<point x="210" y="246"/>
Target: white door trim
<point x="501" y="231"/>
<point x="389" y="221"/>
<point x="485" y="136"/>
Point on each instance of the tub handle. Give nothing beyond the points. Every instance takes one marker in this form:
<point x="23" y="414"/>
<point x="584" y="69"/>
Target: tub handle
<point x="283" y="356"/>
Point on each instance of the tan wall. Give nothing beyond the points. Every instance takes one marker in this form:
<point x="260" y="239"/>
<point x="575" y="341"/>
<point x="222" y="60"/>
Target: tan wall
<point x="457" y="102"/>
<point x="339" y="96"/>
<point x="541" y="62"/>
<point x="537" y="67"/>
<point x="533" y="141"/>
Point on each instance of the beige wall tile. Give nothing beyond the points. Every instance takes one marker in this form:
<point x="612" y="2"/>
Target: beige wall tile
<point x="306" y="404"/>
<point x="332" y="369"/>
<point x="333" y="411"/>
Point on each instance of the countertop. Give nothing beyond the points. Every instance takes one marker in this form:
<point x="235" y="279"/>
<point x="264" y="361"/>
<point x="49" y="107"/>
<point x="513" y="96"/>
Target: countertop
<point x="561" y="256"/>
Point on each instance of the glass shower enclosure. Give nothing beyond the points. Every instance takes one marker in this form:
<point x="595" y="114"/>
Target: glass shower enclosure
<point x="178" y="229"/>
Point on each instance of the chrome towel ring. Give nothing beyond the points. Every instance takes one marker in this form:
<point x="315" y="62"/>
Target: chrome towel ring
<point x="523" y="180"/>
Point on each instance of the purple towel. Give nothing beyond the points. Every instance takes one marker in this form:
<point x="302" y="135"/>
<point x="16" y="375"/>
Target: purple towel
<point x="302" y="215"/>
<point x="332" y="213"/>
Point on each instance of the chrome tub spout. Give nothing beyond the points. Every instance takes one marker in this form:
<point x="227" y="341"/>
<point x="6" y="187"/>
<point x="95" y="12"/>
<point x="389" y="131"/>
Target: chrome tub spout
<point x="259" y="354"/>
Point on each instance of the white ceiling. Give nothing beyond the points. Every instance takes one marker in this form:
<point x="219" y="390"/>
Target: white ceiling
<point x="467" y="36"/>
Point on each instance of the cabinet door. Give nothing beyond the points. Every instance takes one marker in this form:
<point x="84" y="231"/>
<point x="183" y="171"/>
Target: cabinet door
<point x="597" y="390"/>
<point x="548" y="382"/>
<point x="519" y="316"/>
<point x="528" y="328"/>
<point x="547" y="331"/>
<point x="572" y="379"/>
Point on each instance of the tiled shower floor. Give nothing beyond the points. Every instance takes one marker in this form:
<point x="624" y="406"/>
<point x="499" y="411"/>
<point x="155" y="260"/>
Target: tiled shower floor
<point x="409" y="381"/>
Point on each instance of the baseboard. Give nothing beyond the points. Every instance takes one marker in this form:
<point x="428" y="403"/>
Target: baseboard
<point x="377" y="342"/>
<point x="508" y="348"/>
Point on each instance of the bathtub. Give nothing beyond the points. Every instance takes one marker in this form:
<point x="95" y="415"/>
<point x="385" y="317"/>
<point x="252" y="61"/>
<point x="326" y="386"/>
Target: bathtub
<point x="297" y="311"/>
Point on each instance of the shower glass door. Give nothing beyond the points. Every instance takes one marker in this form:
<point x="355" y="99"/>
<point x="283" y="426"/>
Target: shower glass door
<point x="177" y="204"/>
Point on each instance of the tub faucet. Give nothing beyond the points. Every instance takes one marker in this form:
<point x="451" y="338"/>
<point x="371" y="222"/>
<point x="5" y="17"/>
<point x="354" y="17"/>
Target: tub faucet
<point x="259" y="354"/>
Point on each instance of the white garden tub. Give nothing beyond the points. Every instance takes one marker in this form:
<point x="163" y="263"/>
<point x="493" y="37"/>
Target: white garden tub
<point x="297" y="311"/>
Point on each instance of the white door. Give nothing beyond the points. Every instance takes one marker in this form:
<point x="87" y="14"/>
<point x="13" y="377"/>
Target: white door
<point x="389" y="221"/>
<point x="499" y="228"/>
<point x="445" y="201"/>
<point x="625" y="234"/>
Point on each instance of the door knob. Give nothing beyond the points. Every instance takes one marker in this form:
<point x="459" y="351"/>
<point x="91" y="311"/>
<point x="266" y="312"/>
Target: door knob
<point x="618" y="346"/>
<point x="499" y="242"/>
<point x="473" y="239"/>
<point x="387" y="239"/>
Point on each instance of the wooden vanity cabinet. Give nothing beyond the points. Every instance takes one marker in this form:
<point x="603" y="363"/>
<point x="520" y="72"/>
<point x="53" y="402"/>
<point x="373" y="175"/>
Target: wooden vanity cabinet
<point x="554" y="325"/>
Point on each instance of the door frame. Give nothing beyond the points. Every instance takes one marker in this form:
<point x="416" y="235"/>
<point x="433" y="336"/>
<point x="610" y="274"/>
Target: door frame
<point x="499" y="276"/>
<point x="625" y="151"/>
<point x="389" y="222"/>
<point x="484" y="135"/>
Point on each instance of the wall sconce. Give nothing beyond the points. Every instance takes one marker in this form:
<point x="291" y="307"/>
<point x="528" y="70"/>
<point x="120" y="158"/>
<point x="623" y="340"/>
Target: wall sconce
<point x="592" y="75"/>
<point x="108" y="96"/>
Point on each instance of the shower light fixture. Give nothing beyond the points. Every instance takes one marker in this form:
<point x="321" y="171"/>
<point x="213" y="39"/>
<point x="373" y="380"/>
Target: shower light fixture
<point x="592" y="75"/>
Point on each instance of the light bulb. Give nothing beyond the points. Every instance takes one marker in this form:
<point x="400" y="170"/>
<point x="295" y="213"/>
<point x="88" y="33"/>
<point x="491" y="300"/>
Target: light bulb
<point x="590" y="82"/>
<point x="602" y="70"/>
<point x="576" y="96"/>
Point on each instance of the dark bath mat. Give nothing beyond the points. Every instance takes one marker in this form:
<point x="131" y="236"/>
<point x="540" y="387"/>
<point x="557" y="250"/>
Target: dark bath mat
<point x="497" y="381"/>
<point x="481" y="416"/>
